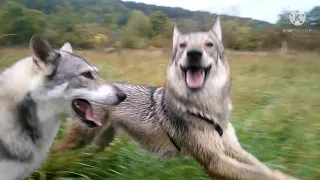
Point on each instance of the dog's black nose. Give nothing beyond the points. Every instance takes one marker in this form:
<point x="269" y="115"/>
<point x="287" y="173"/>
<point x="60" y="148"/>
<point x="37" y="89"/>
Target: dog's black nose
<point x="121" y="95"/>
<point x="194" y="53"/>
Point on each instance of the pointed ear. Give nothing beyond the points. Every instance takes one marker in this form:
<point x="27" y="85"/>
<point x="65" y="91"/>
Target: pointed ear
<point x="217" y="29"/>
<point x="41" y="50"/>
<point x="66" y="47"/>
<point x="44" y="55"/>
<point x="176" y="35"/>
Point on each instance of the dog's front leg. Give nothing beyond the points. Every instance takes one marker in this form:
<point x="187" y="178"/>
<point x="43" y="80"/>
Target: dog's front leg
<point x="75" y="136"/>
<point x="234" y="150"/>
<point x="105" y="137"/>
<point x="207" y="148"/>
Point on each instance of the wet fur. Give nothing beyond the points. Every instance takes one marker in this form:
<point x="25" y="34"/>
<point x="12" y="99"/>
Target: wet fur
<point x="174" y="121"/>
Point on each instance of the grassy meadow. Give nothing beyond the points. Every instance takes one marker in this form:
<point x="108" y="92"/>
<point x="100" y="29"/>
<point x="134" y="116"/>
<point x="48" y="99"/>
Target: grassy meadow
<point x="276" y="101"/>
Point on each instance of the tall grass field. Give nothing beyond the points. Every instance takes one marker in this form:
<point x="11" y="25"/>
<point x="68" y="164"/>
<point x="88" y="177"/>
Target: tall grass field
<point x="276" y="114"/>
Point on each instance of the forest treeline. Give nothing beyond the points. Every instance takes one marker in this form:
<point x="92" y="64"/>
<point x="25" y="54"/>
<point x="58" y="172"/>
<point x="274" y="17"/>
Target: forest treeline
<point x="114" y="23"/>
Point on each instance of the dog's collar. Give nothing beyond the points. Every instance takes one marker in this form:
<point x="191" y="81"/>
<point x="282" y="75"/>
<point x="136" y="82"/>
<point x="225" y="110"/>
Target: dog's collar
<point x="199" y="114"/>
<point x="174" y="142"/>
<point x="184" y="109"/>
<point x="210" y="121"/>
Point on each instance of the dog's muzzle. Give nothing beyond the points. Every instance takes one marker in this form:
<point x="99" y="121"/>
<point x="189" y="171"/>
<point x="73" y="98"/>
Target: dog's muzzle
<point x="194" y="72"/>
<point x="194" y="57"/>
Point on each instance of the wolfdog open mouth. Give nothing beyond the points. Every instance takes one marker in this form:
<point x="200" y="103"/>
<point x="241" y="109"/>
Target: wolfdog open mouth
<point x="84" y="110"/>
<point x="195" y="76"/>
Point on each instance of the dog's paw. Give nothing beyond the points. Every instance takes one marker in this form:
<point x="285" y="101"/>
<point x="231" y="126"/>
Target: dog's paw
<point x="277" y="175"/>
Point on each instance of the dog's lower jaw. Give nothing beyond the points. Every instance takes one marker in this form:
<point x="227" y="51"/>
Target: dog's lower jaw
<point x="185" y="70"/>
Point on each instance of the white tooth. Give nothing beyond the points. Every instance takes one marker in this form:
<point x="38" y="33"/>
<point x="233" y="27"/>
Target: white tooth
<point x="208" y="116"/>
<point x="182" y="108"/>
<point x="77" y="104"/>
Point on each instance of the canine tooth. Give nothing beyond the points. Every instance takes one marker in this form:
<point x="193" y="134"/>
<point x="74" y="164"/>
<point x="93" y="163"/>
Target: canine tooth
<point x="77" y="104"/>
<point x="207" y="116"/>
<point x="181" y="107"/>
<point x="193" y="110"/>
<point x="201" y="114"/>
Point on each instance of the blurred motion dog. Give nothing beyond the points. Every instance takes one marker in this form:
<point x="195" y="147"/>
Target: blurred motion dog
<point x="189" y="115"/>
<point x="35" y="93"/>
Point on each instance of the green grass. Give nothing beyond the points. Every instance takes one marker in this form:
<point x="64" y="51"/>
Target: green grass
<point x="276" y="101"/>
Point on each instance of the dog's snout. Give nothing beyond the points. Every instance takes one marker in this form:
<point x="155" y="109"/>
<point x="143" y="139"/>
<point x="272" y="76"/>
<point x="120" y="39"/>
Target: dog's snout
<point x="121" y="95"/>
<point x="194" y="56"/>
<point x="194" y="53"/>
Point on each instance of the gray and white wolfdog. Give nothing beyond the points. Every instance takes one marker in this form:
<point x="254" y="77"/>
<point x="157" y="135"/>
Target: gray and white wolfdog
<point x="189" y="115"/>
<point x="35" y="93"/>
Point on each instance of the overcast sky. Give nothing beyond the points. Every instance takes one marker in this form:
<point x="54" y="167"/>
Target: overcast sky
<point x="262" y="10"/>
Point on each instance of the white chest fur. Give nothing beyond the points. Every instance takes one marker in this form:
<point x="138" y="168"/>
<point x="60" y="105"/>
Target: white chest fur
<point x="15" y="169"/>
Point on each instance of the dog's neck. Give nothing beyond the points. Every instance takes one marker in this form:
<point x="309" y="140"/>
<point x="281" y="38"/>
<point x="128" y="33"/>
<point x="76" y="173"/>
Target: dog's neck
<point x="39" y="120"/>
<point x="213" y="107"/>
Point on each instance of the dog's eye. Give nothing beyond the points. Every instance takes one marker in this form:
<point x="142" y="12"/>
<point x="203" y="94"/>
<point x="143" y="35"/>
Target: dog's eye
<point x="209" y="44"/>
<point x="87" y="75"/>
<point x="183" y="45"/>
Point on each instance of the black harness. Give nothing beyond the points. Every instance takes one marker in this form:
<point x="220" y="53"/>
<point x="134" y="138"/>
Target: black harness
<point x="181" y="124"/>
<point x="216" y="126"/>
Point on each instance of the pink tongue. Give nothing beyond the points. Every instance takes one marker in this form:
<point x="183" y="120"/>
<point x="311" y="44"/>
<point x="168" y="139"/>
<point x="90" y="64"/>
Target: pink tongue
<point x="90" y="116"/>
<point x="195" y="79"/>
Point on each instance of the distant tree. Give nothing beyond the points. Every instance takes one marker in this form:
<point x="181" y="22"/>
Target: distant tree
<point x="98" y="23"/>
<point x="272" y="38"/>
<point x="140" y="24"/>
<point x="16" y="19"/>
<point x="204" y="21"/>
<point x="158" y="22"/>
<point x="110" y="21"/>
<point x="188" y="25"/>
<point x="229" y="32"/>
<point x="246" y="39"/>
<point x="283" y="19"/>
<point x="313" y="17"/>
<point x="137" y="31"/>
<point x="168" y="30"/>
<point x="3" y="2"/>
<point x="128" y="39"/>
